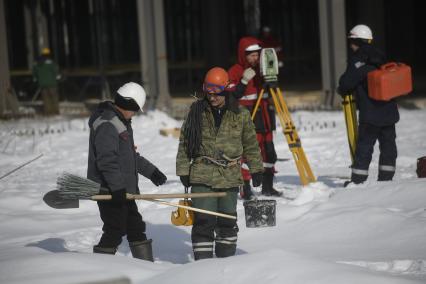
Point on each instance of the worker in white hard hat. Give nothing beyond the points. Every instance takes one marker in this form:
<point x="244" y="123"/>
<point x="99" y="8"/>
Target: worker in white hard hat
<point x="114" y="163"/>
<point x="377" y="119"/>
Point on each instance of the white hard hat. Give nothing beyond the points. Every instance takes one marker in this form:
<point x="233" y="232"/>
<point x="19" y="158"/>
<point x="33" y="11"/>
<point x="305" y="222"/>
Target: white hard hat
<point x="133" y="91"/>
<point x="253" y="47"/>
<point x="361" y="31"/>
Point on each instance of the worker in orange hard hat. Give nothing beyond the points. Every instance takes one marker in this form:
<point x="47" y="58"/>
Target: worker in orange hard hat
<point x="214" y="136"/>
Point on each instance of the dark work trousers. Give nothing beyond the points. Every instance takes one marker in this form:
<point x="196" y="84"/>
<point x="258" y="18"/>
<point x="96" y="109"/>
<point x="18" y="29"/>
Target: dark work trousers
<point x="265" y="124"/>
<point x="269" y="156"/>
<point x="120" y="220"/>
<point x="367" y="136"/>
<point x="205" y="226"/>
<point x="50" y="100"/>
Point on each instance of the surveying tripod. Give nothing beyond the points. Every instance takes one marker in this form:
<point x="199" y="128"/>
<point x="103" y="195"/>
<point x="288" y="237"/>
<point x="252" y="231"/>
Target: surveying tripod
<point x="289" y="130"/>
<point x="349" y="110"/>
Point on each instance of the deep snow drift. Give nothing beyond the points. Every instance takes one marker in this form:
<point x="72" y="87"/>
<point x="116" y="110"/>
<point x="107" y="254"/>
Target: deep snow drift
<point x="371" y="233"/>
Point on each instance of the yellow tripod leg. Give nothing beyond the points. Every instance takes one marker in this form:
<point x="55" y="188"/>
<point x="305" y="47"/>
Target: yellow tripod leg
<point x="259" y="99"/>
<point x="289" y="130"/>
<point x="349" y="109"/>
<point x="346" y="113"/>
<point x="354" y="119"/>
<point x="283" y="104"/>
<point x="307" y="167"/>
<point x="303" y="158"/>
<point x="291" y="136"/>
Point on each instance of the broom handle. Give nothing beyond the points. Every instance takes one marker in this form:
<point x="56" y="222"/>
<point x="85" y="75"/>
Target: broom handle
<point x="193" y="209"/>
<point x="161" y="196"/>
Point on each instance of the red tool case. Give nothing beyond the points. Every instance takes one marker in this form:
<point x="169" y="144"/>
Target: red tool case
<point x="391" y="80"/>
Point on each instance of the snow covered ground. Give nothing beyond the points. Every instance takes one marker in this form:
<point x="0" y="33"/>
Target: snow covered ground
<point x="371" y="233"/>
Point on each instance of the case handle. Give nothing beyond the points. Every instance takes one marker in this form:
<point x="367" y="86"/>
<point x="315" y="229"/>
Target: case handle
<point x="389" y="66"/>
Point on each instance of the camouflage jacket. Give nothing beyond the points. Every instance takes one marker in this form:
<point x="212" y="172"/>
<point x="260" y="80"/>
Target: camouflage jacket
<point x="234" y="138"/>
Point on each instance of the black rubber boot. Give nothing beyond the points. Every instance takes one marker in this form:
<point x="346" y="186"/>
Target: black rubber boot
<point x="203" y="255"/>
<point x="98" y="249"/>
<point x="357" y="179"/>
<point x="267" y="188"/>
<point x="385" y="176"/>
<point x="142" y="250"/>
<point x="247" y="193"/>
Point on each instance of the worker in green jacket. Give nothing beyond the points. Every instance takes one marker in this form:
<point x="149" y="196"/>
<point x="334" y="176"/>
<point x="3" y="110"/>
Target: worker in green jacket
<point x="46" y="75"/>
<point x="214" y="137"/>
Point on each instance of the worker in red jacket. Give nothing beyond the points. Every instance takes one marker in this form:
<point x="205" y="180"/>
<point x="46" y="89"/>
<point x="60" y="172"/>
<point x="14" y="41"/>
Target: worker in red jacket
<point x="247" y="72"/>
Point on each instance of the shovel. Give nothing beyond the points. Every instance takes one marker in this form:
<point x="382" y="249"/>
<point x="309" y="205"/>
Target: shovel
<point x="56" y="200"/>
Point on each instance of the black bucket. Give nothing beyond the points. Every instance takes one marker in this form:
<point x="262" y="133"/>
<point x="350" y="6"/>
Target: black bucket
<point x="260" y="213"/>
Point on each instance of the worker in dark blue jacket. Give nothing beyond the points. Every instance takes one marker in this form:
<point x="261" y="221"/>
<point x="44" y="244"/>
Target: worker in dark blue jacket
<point x="377" y="119"/>
<point x="114" y="163"/>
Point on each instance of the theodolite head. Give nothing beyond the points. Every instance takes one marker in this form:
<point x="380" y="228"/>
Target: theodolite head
<point x="269" y="64"/>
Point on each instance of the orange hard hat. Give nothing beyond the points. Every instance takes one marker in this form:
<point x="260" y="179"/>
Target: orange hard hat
<point x="216" y="80"/>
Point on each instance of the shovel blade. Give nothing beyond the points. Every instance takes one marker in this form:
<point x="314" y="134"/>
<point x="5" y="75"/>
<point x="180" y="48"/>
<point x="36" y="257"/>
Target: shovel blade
<point x="54" y="200"/>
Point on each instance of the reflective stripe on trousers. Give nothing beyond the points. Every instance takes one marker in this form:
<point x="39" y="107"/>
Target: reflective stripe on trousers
<point x="360" y="172"/>
<point x="203" y="246"/>
<point x="387" y="168"/>
<point x="227" y="240"/>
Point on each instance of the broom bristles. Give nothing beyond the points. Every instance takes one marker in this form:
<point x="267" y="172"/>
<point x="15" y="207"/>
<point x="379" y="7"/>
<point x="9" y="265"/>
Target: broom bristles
<point x="71" y="186"/>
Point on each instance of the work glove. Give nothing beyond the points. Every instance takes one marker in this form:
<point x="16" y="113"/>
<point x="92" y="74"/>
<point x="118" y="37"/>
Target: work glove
<point x="185" y="181"/>
<point x="158" y="178"/>
<point x="119" y="196"/>
<point x="257" y="179"/>
<point x="248" y="74"/>
<point x="340" y="92"/>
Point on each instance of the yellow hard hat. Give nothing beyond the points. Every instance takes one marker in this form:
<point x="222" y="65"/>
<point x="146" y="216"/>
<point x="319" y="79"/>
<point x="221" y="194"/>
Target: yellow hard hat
<point x="45" y="51"/>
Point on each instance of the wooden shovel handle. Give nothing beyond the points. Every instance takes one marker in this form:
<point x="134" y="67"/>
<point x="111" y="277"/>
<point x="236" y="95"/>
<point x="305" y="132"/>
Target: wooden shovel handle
<point x="101" y="197"/>
<point x="161" y="196"/>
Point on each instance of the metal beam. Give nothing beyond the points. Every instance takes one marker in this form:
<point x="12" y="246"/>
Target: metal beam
<point x="29" y="40"/>
<point x="4" y="61"/>
<point x="333" y="46"/>
<point x="153" y="56"/>
<point x="164" y="101"/>
<point x="43" y="33"/>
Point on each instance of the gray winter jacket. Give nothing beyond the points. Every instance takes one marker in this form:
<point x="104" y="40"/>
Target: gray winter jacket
<point x="113" y="161"/>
